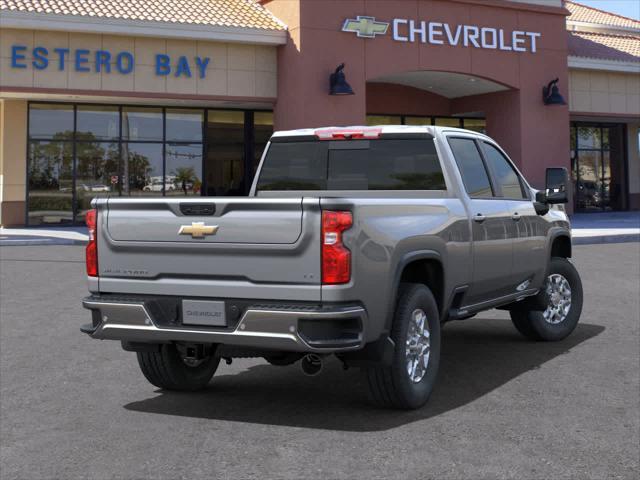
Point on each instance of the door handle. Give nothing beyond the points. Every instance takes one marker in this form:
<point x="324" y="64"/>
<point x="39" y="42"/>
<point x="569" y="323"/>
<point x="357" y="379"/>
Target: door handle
<point x="479" y="218"/>
<point x="516" y="217"/>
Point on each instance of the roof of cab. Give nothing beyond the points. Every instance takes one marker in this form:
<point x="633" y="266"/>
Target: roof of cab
<point x="382" y="130"/>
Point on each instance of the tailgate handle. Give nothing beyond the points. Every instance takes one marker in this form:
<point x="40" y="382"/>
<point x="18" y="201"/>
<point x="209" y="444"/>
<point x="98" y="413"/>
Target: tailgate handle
<point x="194" y="209"/>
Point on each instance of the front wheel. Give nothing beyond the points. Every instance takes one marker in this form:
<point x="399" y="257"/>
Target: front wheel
<point x="408" y="382"/>
<point x="169" y="369"/>
<point x="560" y="317"/>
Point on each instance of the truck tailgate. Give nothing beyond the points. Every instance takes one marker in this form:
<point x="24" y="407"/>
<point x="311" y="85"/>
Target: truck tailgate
<point x="229" y="247"/>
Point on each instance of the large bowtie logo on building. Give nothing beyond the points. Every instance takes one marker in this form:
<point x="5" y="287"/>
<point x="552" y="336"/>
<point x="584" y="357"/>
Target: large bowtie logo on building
<point x="365" y="27"/>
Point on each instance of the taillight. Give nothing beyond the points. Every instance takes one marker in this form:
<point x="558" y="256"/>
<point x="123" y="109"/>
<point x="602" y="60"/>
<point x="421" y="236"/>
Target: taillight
<point x="92" y="247"/>
<point x="336" y="258"/>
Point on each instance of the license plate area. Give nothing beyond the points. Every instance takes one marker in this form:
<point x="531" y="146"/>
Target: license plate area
<point x="204" y="313"/>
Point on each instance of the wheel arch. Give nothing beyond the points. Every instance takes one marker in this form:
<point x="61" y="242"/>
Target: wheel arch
<point x="561" y="246"/>
<point x="423" y="266"/>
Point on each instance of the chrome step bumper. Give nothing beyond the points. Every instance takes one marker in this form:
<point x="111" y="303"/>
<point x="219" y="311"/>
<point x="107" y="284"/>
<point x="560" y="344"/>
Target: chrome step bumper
<point x="268" y="328"/>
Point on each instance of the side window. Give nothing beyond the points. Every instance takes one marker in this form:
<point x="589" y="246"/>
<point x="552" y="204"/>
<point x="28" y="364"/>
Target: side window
<point x="474" y="174"/>
<point x="506" y="176"/>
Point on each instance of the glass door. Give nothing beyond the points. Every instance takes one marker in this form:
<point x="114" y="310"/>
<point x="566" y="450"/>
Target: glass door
<point x="598" y="167"/>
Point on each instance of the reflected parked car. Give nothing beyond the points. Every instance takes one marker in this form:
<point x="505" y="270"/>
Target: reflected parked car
<point x="156" y="186"/>
<point x="96" y="187"/>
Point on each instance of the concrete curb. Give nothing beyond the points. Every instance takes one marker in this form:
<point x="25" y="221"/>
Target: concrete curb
<point x="629" y="238"/>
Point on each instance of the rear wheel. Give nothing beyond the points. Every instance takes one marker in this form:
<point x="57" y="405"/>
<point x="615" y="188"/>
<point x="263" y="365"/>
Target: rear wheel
<point x="562" y="313"/>
<point x="169" y="369"/>
<point x="408" y="382"/>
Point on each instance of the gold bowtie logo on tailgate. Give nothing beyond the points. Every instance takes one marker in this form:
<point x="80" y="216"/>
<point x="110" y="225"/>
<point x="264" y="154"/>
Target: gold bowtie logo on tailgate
<point x="198" y="230"/>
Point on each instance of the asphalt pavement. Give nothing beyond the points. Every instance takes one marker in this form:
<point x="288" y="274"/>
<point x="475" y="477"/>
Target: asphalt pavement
<point x="504" y="407"/>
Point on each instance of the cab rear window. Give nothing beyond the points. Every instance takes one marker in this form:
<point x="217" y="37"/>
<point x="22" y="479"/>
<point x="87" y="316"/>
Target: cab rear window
<point x="392" y="164"/>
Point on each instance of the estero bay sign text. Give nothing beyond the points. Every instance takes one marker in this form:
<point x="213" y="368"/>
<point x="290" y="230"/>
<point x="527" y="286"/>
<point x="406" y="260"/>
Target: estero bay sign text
<point x="99" y="61"/>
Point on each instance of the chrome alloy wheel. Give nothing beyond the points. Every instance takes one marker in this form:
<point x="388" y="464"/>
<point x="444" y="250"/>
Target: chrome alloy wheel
<point x="418" y="346"/>
<point x="559" y="293"/>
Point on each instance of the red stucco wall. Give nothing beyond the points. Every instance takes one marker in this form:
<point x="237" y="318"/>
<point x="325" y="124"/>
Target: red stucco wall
<point x="535" y="135"/>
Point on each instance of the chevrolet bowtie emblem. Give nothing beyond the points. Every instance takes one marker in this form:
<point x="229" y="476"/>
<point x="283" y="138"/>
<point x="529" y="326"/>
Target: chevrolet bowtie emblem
<point x="365" y="27"/>
<point x="198" y="230"/>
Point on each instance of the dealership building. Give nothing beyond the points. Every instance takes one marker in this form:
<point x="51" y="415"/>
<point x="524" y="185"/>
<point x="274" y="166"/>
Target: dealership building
<point x="179" y="97"/>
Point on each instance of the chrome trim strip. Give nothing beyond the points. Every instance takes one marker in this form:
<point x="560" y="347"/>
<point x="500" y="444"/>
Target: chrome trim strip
<point x="260" y="328"/>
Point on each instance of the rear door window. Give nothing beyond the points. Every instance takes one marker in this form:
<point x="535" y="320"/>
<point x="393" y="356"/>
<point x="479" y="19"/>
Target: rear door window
<point x="357" y="165"/>
<point x="472" y="168"/>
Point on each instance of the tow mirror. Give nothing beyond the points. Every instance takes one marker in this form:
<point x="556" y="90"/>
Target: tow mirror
<point x="556" y="186"/>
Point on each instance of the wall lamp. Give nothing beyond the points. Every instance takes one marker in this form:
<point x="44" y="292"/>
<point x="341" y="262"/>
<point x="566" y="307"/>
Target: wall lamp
<point x="551" y="94"/>
<point x="338" y="82"/>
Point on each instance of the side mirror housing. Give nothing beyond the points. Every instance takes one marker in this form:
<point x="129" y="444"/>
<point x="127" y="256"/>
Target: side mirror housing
<point x="556" y="186"/>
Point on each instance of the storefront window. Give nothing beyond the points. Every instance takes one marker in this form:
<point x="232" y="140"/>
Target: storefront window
<point x="78" y="152"/>
<point x="143" y="169"/>
<point x="263" y="129"/>
<point x="184" y="125"/>
<point x="384" y="120"/>
<point x="98" y="123"/>
<point x="225" y="160"/>
<point x="418" y="121"/>
<point x="184" y="169"/>
<point x="142" y="124"/>
<point x="50" y="172"/>
<point x="97" y="173"/>
<point x="49" y="121"/>
<point x="448" y="122"/>
<point x="476" y="124"/>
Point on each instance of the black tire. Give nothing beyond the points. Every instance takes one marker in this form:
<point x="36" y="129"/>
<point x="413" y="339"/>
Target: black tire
<point x="167" y="370"/>
<point x="533" y="325"/>
<point x="391" y="386"/>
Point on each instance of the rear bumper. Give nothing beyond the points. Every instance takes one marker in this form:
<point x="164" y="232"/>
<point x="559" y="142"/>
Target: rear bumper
<point x="293" y="328"/>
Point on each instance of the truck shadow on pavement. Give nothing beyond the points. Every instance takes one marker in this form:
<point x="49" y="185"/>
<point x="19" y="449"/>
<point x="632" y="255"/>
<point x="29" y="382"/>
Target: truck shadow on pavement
<point x="477" y="357"/>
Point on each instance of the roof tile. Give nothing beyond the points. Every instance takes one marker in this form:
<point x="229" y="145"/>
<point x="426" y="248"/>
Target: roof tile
<point x="624" y="48"/>
<point x="582" y="13"/>
<point x="224" y="13"/>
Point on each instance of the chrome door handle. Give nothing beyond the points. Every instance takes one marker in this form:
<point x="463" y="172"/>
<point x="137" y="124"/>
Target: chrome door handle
<point x="516" y="217"/>
<point x="479" y="218"/>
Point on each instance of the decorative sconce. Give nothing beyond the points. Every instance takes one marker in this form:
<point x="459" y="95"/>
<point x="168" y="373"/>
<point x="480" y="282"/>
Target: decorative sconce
<point x="338" y="82"/>
<point x="551" y="94"/>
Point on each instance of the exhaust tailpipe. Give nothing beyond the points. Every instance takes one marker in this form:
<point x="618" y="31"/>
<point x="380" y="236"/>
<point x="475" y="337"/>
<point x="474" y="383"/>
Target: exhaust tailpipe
<point x="311" y="364"/>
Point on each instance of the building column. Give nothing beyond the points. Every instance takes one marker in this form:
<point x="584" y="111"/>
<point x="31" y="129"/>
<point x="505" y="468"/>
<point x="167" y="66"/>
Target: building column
<point x="633" y="156"/>
<point x="13" y="162"/>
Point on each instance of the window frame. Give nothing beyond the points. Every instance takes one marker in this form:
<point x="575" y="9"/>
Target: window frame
<point x="491" y="179"/>
<point x="248" y="153"/>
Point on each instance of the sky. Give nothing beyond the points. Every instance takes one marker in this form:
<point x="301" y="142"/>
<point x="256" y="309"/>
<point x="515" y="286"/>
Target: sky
<point x="628" y="8"/>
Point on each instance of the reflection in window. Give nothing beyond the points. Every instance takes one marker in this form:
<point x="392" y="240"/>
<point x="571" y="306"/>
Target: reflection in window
<point x="505" y="175"/>
<point x="142" y="124"/>
<point x="97" y="167"/>
<point x="51" y="121"/>
<point x="384" y="120"/>
<point x="184" y="125"/>
<point x="101" y="123"/>
<point x="143" y="169"/>
<point x="472" y="169"/>
<point x="447" y="122"/>
<point x="50" y="172"/>
<point x="184" y="169"/>
<point x="225" y="153"/>
<point x="417" y="120"/>
<point x="263" y="129"/>
<point x="475" y="124"/>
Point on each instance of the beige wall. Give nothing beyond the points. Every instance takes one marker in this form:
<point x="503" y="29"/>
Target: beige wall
<point x="13" y="161"/>
<point x="236" y="70"/>
<point x="592" y="91"/>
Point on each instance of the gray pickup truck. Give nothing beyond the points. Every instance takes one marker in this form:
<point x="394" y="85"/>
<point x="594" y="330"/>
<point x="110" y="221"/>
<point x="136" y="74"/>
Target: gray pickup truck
<point x="359" y="242"/>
